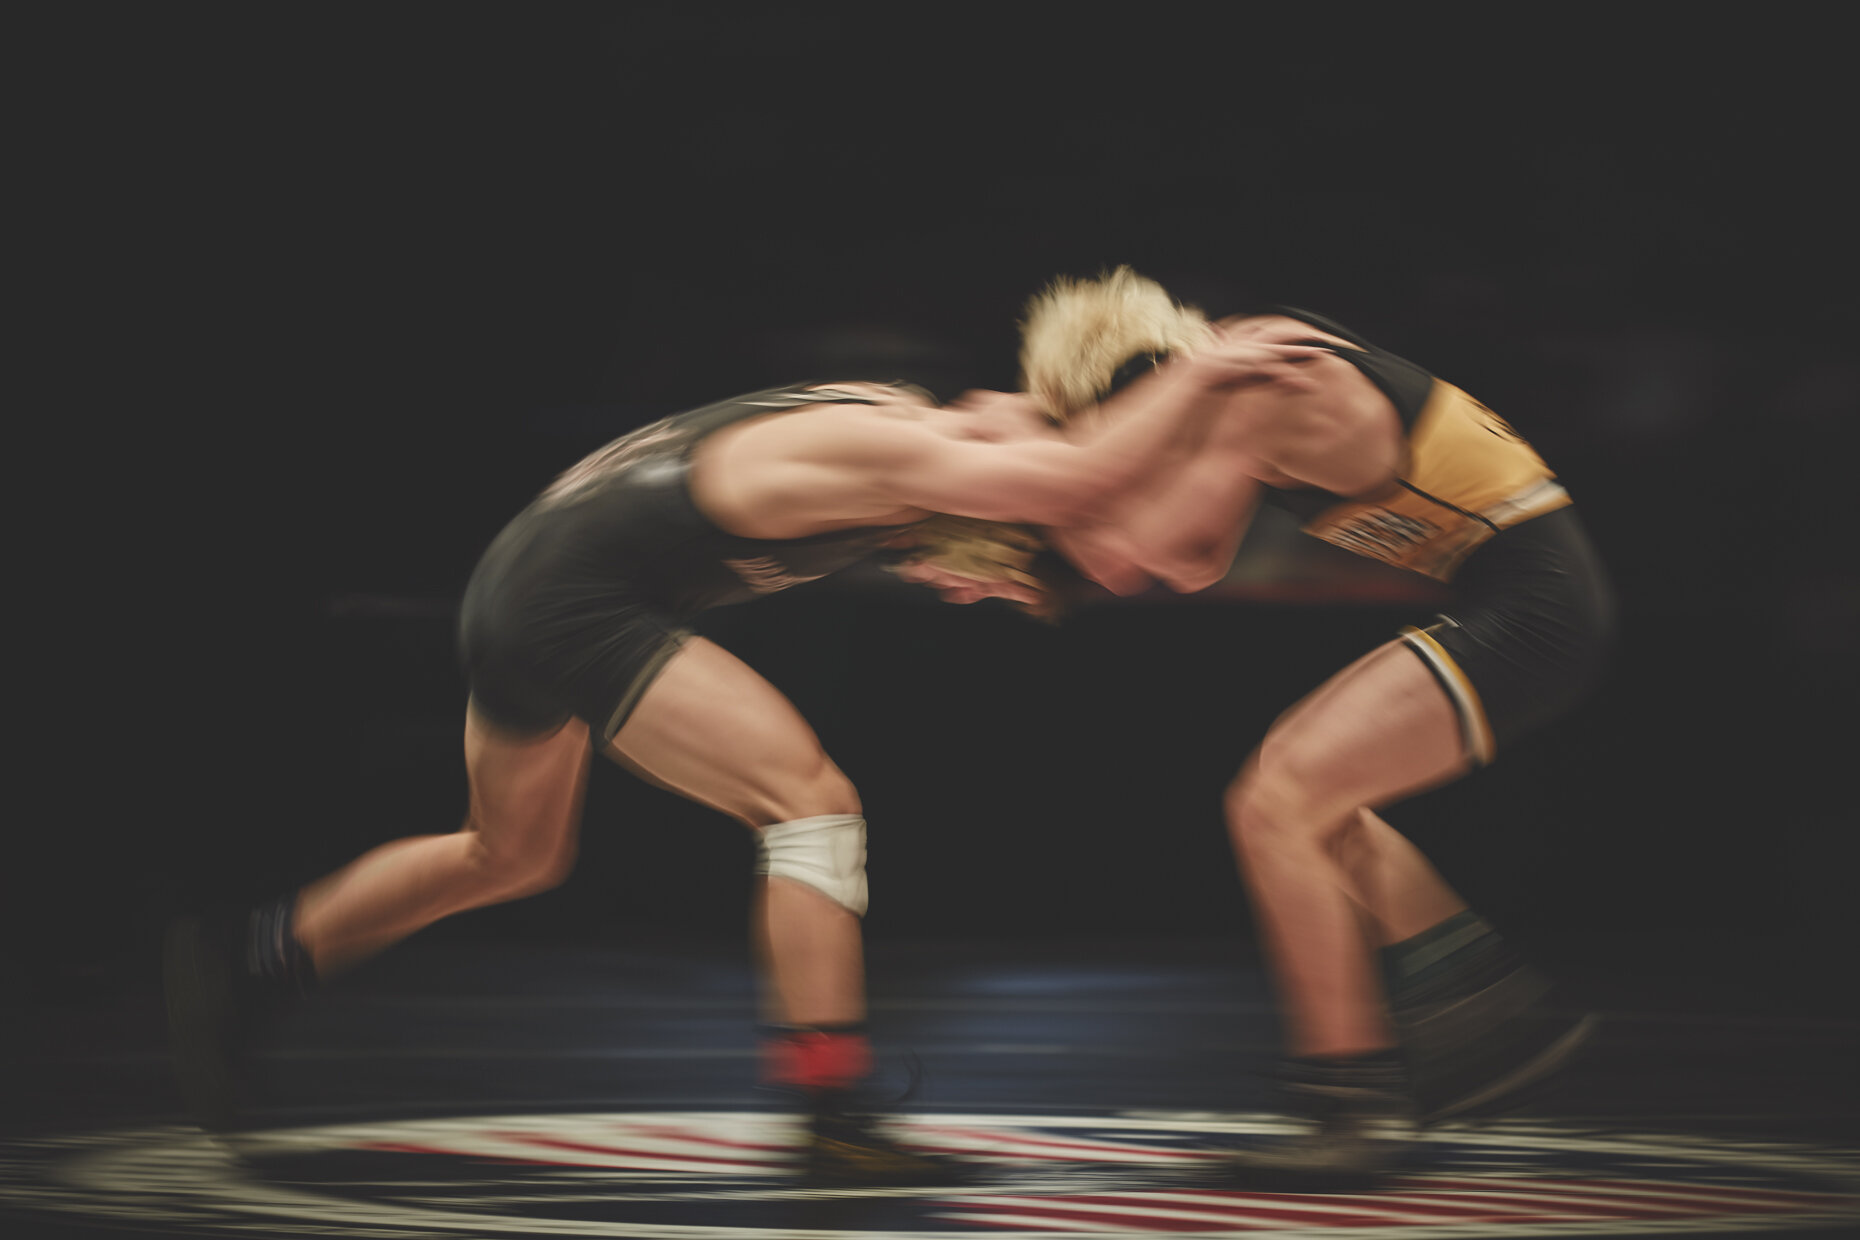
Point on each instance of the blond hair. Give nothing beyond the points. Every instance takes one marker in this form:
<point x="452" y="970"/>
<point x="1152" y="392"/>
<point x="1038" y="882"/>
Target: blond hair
<point x="986" y="551"/>
<point x="1077" y="333"/>
<point x="1074" y="337"/>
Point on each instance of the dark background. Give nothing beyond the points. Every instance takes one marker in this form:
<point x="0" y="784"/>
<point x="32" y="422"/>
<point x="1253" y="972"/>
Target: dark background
<point x="333" y="290"/>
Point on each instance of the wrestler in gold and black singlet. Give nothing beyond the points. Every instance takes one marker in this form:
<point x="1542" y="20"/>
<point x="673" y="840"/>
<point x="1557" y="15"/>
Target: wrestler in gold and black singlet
<point x="580" y="601"/>
<point x="1475" y="506"/>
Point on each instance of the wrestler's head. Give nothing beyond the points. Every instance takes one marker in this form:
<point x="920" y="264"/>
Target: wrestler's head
<point x="1083" y="339"/>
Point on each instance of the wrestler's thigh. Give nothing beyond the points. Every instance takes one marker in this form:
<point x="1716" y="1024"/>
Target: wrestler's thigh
<point x="526" y="792"/>
<point x="710" y="727"/>
<point x="1380" y="730"/>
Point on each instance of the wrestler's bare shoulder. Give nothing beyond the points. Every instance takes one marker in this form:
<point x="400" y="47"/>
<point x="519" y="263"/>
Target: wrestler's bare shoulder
<point x="1337" y="431"/>
<point x="1279" y="329"/>
<point x="797" y="472"/>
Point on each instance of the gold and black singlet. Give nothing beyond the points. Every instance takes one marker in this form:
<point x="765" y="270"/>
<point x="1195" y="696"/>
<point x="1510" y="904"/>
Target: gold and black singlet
<point x="1531" y="624"/>
<point x="1467" y="475"/>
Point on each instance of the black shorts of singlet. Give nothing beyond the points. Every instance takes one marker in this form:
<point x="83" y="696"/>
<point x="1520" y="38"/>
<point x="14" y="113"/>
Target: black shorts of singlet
<point x="548" y="633"/>
<point x="1530" y="633"/>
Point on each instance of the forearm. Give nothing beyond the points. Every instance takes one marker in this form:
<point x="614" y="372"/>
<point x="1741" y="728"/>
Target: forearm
<point x="1167" y="419"/>
<point x="1182" y="526"/>
<point x="1159" y="422"/>
<point x="1062" y="482"/>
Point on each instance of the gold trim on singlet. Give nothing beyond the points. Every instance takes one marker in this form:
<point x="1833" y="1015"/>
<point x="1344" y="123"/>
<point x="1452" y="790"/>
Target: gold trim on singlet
<point x="1469" y="475"/>
<point x="1474" y="726"/>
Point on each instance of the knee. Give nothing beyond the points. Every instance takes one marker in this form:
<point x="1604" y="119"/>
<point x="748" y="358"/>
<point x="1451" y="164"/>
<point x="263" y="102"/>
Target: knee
<point x="1281" y="800"/>
<point x="1352" y="843"/>
<point x="511" y="872"/>
<point x="826" y="853"/>
<point x="541" y="874"/>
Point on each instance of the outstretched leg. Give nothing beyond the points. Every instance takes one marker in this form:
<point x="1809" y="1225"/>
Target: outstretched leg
<point x="518" y="839"/>
<point x="225" y="978"/>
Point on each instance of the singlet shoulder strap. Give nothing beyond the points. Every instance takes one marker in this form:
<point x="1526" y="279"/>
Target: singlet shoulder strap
<point x="1406" y="385"/>
<point x="1322" y="323"/>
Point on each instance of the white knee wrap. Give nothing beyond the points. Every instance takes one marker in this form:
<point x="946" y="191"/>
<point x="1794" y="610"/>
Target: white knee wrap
<point x="826" y="853"/>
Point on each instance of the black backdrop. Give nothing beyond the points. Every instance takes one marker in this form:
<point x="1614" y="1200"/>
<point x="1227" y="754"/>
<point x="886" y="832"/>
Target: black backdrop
<point x="332" y="290"/>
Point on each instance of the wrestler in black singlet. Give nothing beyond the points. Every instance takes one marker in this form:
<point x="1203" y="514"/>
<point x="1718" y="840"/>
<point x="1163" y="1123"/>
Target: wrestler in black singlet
<point x="581" y="599"/>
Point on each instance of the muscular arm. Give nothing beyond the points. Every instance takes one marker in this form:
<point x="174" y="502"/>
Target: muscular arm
<point x="1184" y="525"/>
<point x="1054" y="481"/>
<point x="1187" y="533"/>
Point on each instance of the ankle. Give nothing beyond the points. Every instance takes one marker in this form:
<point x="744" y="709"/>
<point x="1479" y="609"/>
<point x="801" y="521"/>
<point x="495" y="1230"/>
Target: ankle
<point x="1444" y="955"/>
<point x="822" y="1062"/>
<point x="1377" y="1069"/>
<point x="273" y="953"/>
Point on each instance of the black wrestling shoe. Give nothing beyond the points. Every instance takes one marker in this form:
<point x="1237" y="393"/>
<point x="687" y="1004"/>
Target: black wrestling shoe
<point x="218" y="1006"/>
<point x="1483" y="1044"/>
<point x="1360" y="1129"/>
<point x="846" y="1149"/>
